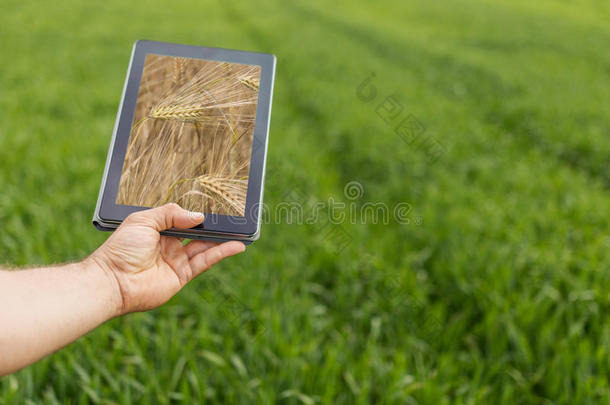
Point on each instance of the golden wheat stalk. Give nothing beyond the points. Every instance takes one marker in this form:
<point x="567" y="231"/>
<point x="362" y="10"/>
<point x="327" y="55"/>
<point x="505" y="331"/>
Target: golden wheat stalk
<point x="224" y="191"/>
<point x="250" y="82"/>
<point x="213" y="88"/>
<point x="196" y="112"/>
<point x="179" y="71"/>
<point x="233" y="192"/>
<point x="177" y="112"/>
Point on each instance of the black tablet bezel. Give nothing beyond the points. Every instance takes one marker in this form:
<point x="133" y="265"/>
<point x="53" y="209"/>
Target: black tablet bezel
<point x="108" y="210"/>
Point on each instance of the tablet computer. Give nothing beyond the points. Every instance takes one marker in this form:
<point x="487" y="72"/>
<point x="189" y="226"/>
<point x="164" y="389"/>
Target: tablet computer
<point x="192" y="128"/>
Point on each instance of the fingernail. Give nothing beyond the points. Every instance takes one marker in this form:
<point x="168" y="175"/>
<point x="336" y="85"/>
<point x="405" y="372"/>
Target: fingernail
<point x="195" y="215"/>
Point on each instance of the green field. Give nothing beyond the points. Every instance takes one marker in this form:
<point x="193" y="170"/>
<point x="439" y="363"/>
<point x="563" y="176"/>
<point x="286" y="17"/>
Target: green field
<point x="496" y="291"/>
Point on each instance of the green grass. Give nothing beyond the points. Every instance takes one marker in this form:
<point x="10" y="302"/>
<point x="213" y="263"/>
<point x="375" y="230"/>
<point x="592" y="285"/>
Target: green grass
<point x="501" y="295"/>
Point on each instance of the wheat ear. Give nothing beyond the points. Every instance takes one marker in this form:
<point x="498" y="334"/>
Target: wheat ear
<point x="250" y="82"/>
<point x="179" y="72"/>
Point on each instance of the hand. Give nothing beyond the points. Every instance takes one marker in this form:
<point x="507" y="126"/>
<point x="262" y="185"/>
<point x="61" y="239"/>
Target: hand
<point x="147" y="268"/>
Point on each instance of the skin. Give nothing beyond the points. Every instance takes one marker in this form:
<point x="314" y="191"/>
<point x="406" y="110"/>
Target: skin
<point x="136" y="269"/>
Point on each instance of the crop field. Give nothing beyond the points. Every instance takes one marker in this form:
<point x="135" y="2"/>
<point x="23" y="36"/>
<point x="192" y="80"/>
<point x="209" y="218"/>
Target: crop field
<point x="451" y="161"/>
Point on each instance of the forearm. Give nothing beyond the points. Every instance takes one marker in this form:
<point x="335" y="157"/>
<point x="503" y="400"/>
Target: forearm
<point x="44" y="309"/>
<point x="136" y="269"/>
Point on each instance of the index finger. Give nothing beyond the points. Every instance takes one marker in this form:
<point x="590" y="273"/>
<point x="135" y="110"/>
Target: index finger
<point x="203" y="261"/>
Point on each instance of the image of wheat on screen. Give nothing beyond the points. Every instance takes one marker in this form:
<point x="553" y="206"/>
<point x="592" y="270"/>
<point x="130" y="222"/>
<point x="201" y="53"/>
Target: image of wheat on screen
<point x="191" y="137"/>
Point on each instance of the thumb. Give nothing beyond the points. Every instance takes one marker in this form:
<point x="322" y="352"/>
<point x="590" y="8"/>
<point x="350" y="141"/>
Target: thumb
<point x="169" y="216"/>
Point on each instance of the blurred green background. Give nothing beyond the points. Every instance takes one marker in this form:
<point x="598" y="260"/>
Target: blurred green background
<point x="498" y="289"/>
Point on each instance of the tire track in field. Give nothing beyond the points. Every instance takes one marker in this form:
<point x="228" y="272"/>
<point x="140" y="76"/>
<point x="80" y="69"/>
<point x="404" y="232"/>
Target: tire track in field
<point x="487" y="90"/>
<point x="316" y="117"/>
<point x="303" y="107"/>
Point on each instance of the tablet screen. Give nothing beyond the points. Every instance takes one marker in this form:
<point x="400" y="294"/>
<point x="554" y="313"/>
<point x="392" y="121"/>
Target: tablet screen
<point x="191" y="136"/>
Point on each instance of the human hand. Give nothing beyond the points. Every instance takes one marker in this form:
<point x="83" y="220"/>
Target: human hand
<point x="147" y="268"/>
